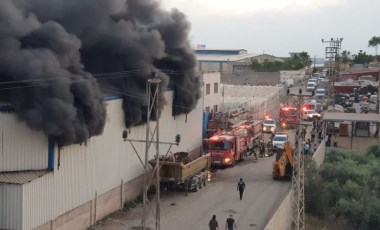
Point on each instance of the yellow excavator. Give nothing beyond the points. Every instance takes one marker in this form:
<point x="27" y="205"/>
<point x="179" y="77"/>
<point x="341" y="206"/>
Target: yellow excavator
<point x="282" y="167"/>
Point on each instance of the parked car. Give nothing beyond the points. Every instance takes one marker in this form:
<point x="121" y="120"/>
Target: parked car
<point x="279" y="140"/>
<point x="320" y="92"/>
<point x="310" y="87"/>
<point x="310" y="115"/>
<point x="313" y="80"/>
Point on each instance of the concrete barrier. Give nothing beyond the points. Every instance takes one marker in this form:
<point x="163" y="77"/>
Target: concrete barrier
<point x="282" y="218"/>
<point x="319" y="155"/>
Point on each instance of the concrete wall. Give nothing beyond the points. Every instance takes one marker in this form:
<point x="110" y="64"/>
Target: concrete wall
<point x="251" y="78"/>
<point x="87" y="214"/>
<point x="282" y="218"/>
<point x="319" y="155"/>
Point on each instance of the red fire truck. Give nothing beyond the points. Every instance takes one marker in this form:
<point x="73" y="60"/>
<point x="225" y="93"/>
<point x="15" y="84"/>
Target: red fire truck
<point x="288" y="116"/>
<point x="227" y="148"/>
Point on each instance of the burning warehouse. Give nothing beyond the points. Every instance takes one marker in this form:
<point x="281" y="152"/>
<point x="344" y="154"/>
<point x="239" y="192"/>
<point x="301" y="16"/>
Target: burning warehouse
<point x="61" y="131"/>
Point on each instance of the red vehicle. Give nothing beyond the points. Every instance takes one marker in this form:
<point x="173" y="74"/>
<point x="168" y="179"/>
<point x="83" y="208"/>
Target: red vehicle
<point x="227" y="148"/>
<point x="288" y="117"/>
<point x="253" y="127"/>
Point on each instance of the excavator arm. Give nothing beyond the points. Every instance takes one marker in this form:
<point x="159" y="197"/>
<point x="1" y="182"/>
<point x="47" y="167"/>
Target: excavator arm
<point x="289" y="153"/>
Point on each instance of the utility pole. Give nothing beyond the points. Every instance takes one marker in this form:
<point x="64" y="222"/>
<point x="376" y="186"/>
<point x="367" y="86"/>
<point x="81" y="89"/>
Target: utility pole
<point x="151" y="175"/>
<point x="332" y="54"/>
<point x="298" y="176"/>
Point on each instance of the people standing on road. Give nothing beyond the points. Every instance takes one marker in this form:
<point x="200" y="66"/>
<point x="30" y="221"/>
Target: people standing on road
<point x="311" y="151"/>
<point x="241" y="187"/>
<point x="262" y="148"/>
<point x="306" y="148"/>
<point x="303" y="133"/>
<point x="213" y="223"/>
<point x="230" y="223"/>
<point x="314" y="124"/>
<point x="312" y="135"/>
<point x="320" y="136"/>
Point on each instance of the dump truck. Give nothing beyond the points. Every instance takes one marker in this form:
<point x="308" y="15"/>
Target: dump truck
<point x="282" y="167"/>
<point x="180" y="172"/>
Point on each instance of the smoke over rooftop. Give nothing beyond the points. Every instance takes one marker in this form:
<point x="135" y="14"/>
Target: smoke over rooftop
<point x="56" y="53"/>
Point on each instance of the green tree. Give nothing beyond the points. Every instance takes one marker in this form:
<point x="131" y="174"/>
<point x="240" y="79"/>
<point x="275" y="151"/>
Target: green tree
<point x="374" y="42"/>
<point x="297" y="62"/>
<point x="346" y="186"/>
<point x="362" y="58"/>
<point x="346" y="57"/>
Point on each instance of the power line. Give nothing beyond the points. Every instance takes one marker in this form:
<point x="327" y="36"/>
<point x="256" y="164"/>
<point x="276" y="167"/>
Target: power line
<point x="104" y="76"/>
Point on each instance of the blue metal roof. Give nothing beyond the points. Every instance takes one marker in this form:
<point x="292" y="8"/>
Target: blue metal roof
<point x="220" y="52"/>
<point x="6" y="108"/>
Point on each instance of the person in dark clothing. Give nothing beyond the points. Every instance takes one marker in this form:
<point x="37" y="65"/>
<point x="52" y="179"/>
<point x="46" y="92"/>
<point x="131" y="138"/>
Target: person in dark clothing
<point x="254" y="145"/>
<point x="213" y="223"/>
<point x="262" y="148"/>
<point x="230" y="223"/>
<point x="303" y="133"/>
<point x="320" y="136"/>
<point x="241" y="187"/>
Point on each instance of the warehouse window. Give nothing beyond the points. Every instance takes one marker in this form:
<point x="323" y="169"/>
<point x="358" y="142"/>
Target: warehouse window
<point x="216" y="87"/>
<point x="208" y="109"/>
<point x="207" y="89"/>
<point x="215" y="108"/>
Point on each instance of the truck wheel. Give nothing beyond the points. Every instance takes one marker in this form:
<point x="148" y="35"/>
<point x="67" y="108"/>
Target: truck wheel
<point x="196" y="185"/>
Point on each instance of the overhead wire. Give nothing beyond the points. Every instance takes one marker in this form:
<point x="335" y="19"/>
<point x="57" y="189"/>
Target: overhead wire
<point x="40" y="82"/>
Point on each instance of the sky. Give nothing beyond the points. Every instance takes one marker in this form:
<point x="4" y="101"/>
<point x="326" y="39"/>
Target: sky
<point x="277" y="27"/>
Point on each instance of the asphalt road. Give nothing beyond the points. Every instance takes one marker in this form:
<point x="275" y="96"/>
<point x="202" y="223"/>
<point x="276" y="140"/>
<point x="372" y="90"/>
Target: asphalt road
<point x="261" y="199"/>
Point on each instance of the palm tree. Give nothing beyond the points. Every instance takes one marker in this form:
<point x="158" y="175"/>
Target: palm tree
<point x="374" y="42"/>
<point x="346" y="57"/>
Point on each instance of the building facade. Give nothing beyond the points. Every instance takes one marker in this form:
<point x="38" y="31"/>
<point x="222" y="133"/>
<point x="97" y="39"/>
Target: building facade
<point x="43" y="186"/>
<point x="212" y="91"/>
<point x="229" y="61"/>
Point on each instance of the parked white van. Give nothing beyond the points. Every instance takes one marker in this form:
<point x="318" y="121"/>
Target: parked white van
<point x="320" y="92"/>
<point x="310" y="87"/>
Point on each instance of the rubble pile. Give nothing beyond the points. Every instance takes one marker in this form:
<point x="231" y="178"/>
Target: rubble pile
<point x="180" y="157"/>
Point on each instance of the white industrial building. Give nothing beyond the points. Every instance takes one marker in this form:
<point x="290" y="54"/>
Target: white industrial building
<point x="230" y="60"/>
<point x="212" y="94"/>
<point x="44" y="187"/>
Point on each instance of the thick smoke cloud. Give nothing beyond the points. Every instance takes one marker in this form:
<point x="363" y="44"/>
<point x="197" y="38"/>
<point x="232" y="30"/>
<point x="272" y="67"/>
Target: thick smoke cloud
<point x="57" y="51"/>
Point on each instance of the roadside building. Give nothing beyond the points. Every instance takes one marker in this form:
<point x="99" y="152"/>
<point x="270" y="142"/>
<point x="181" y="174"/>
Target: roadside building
<point x="45" y="186"/>
<point x="235" y="66"/>
<point x="212" y="91"/>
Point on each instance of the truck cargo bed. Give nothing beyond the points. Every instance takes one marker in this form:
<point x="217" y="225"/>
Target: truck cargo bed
<point x="178" y="171"/>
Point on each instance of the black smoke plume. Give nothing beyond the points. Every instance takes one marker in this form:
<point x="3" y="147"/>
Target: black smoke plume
<point x="59" y="58"/>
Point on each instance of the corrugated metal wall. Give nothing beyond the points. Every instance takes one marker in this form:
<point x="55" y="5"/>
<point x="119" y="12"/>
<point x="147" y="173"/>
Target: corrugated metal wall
<point x="10" y="206"/>
<point x="101" y="163"/>
<point x="21" y="147"/>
